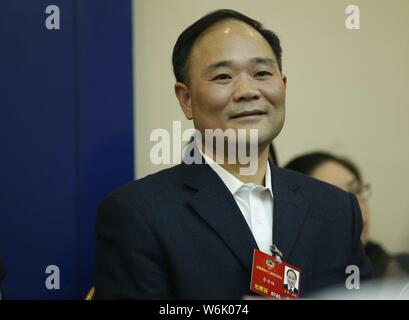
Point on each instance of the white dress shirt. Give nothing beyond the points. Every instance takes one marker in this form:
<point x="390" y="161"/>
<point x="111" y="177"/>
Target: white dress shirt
<point x="255" y="203"/>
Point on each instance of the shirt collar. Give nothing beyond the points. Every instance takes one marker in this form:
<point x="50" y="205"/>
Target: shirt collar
<point x="231" y="182"/>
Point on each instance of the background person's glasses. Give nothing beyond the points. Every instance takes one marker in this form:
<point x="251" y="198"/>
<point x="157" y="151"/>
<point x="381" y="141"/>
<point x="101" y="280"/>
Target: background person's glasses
<point x="362" y="191"/>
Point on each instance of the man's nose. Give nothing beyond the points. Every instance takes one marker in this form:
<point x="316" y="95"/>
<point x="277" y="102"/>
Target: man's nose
<point x="245" y="90"/>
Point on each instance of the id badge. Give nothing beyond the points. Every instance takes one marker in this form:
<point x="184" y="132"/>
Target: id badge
<point x="271" y="277"/>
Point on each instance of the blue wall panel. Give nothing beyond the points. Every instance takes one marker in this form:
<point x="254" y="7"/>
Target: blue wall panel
<point x="105" y="111"/>
<point x="66" y="137"/>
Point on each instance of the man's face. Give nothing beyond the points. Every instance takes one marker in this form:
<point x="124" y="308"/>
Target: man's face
<point x="291" y="279"/>
<point x="235" y="82"/>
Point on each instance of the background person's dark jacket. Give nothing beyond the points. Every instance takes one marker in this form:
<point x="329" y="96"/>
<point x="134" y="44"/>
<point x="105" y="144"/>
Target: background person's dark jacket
<point x="384" y="264"/>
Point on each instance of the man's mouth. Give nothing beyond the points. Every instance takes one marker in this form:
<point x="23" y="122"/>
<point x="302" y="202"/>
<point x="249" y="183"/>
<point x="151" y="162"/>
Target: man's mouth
<point x="245" y="114"/>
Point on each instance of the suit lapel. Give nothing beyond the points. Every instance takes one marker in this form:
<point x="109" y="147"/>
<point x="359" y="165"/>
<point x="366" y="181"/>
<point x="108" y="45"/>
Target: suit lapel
<point x="216" y="205"/>
<point x="290" y="210"/>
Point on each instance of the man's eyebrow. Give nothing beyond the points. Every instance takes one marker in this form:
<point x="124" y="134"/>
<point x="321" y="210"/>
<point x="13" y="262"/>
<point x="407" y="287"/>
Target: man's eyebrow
<point x="260" y="60"/>
<point x="229" y="63"/>
<point x="219" y="64"/>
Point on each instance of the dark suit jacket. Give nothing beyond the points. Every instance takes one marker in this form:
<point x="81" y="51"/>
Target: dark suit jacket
<point x="180" y="234"/>
<point x="286" y="287"/>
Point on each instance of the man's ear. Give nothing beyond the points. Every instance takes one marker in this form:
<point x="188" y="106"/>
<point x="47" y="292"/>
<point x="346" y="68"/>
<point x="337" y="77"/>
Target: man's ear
<point x="185" y="101"/>
<point x="284" y="80"/>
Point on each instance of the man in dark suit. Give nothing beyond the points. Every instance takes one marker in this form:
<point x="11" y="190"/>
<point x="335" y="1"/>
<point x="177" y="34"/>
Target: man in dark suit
<point x="189" y="232"/>
<point x="291" y="281"/>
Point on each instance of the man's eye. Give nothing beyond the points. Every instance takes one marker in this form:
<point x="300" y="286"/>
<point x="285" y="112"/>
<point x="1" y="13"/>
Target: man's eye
<point x="222" y="77"/>
<point x="263" y="74"/>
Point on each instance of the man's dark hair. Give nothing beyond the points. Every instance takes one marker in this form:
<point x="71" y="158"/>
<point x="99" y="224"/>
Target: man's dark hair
<point x="187" y="38"/>
<point x="307" y="163"/>
<point x="291" y="270"/>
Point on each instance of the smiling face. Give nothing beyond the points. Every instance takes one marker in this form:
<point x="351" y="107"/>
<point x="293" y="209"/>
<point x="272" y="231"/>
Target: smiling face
<point x="234" y="82"/>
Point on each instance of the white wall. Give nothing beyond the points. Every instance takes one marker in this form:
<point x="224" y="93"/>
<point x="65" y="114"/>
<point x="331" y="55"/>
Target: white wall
<point x="348" y="91"/>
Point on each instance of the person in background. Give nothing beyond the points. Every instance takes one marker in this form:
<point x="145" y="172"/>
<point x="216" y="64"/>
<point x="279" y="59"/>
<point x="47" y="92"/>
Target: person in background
<point x="344" y="174"/>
